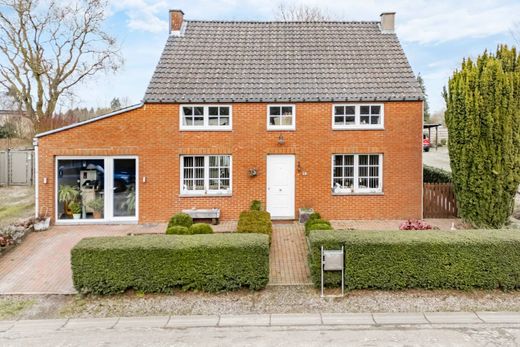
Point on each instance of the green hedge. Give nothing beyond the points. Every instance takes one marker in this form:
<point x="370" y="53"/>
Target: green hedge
<point x="435" y="175"/>
<point x="159" y="263"/>
<point x="309" y="225"/>
<point x="197" y="228"/>
<point x="255" y="222"/>
<point x="466" y="259"/>
<point x="182" y="219"/>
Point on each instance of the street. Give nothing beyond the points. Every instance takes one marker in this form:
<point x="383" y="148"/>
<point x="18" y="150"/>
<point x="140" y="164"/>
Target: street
<point x="385" y="329"/>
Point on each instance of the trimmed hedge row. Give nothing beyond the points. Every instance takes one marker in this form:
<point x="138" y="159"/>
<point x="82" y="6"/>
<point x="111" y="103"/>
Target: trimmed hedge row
<point x="159" y="263"/>
<point x="435" y="175"/>
<point x="486" y="259"/>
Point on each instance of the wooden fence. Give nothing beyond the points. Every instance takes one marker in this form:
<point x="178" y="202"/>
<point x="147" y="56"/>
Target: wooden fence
<point x="439" y="200"/>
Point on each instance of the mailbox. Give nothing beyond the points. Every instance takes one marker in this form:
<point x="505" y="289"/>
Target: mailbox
<point x="333" y="260"/>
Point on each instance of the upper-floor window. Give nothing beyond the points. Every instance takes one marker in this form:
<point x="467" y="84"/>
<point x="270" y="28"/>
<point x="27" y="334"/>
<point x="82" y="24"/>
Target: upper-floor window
<point x="205" y="117"/>
<point x="357" y="173"/>
<point x="357" y="116"/>
<point x="281" y="117"/>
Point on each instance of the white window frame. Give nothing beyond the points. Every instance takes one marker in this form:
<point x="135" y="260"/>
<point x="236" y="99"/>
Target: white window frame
<point x="356" y="189"/>
<point x="206" y="191"/>
<point x="281" y="127"/>
<point x="205" y="126"/>
<point x="108" y="215"/>
<point x="358" y="125"/>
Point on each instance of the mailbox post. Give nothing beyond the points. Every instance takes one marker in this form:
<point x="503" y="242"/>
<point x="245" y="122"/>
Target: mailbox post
<point x="333" y="260"/>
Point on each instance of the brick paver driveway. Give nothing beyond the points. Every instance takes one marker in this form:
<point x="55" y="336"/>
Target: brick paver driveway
<point x="41" y="264"/>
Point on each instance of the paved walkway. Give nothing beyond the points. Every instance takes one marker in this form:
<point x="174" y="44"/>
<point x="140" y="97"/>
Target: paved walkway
<point x="288" y="256"/>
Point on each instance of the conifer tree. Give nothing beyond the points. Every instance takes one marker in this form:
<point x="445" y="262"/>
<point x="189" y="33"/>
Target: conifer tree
<point x="483" y="120"/>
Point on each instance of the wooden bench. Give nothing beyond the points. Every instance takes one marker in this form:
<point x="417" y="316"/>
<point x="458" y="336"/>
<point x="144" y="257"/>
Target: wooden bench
<point x="213" y="214"/>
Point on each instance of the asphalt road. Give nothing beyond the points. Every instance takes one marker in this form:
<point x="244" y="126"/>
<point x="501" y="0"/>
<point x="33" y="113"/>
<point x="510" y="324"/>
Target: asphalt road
<point x="349" y="329"/>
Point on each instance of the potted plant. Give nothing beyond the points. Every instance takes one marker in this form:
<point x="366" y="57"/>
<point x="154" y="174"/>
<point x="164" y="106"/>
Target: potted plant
<point x="67" y="194"/>
<point x="129" y="202"/>
<point x="304" y="214"/>
<point x="75" y="208"/>
<point x="97" y="205"/>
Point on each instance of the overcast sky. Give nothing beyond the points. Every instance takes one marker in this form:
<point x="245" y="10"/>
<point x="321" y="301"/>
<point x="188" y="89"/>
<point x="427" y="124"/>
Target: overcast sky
<point x="435" y="35"/>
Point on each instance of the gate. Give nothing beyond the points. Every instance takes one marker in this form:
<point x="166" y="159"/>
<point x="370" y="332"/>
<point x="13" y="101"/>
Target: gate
<point x="16" y="167"/>
<point x="439" y="200"/>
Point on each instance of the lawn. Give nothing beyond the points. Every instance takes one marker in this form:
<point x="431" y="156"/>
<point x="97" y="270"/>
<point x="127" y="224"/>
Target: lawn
<point x="16" y="203"/>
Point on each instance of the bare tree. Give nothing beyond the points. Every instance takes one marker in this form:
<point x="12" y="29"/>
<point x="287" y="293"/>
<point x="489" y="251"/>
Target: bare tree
<point x="515" y="32"/>
<point x="47" y="49"/>
<point x="300" y="13"/>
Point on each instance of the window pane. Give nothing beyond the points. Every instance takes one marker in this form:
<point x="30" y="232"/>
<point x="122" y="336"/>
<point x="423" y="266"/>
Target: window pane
<point x="286" y="120"/>
<point x="213" y="173"/>
<point x="199" y="184"/>
<point x="213" y="111"/>
<point x="364" y="119"/>
<point x="224" y="111"/>
<point x="338" y="183"/>
<point x="364" y="109"/>
<point x="199" y="161"/>
<point x="376" y="110"/>
<point x="350" y="120"/>
<point x="274" y="120"/>
<point x="274" y="111"/>
<point x="374" y="120"/>
<point x="349" y="160"/>
<point x="287" y="110"/>
<point x="349" y="171"/>
<point x="199" y="173"/>
<point x="224" y="173"/>
<point x="224" y="160"/>
<point x="339" y="120"/>
<point x="213" y="121"/>
<point x="188" y="121"/>
<point x="374" y="183"/>
<point x="349" y="182"/>
<point x="374" y="171"/>
<point x="363" y="171"/>
<point x="213" y="184"/>
<point x="198" y="111"/>
<point x="198" y="121"/>
<point x="213" y="161"/>
<point x="339" y="110"/>
<point x="187" y="111"/>
<point x="224" y="121"/>
<point x="338" y="172"/>
<point x="363" y="183"/>
<point x="338" y="160"/>
<point x="350" y="110"/>
<point x="363" y="160"/>
<point x="374" y="160"/>
<point x="188" y="161"/>
<point x="224" y="184"/>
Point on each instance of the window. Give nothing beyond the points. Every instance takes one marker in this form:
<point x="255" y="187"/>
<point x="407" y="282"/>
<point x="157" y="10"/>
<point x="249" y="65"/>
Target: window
<point x="357" y="173"/>
<point x="357" y="116"/>
<point x="205" y="175"/>
<point x="203" y="118"/>
<point x="281" y="117"/>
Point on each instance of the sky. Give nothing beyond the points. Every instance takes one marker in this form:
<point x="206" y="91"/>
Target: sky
<point x="436" y="35"/>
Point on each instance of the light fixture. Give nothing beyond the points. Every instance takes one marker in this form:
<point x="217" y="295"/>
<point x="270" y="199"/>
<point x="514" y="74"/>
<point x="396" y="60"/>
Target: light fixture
<point x="281" y="140"/>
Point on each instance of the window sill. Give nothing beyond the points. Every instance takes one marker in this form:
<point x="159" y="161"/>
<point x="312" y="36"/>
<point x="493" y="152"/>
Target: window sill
<point x="358" y="128"/>
<point x="184" y="195"/>
<point x="205" y="129"/>
<point x="281" y="129"/>
<point x="359" y="194"/>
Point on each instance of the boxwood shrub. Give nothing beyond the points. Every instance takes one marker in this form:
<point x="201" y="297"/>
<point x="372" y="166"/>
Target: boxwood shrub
<point x="177" y="230"/>
<point x="486" y="259"/>
<point x="181" y="219"/>
<point x="311" y="222"/>
<point x="159" y="263"/>
<point x="435" y="175"/>
<point x="201" y="228"/>
<point x="318" y="226"/>
<point x="255" y="222"/>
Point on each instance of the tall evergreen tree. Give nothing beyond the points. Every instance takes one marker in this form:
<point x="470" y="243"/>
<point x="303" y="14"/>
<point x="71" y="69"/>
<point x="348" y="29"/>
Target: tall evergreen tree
<point x="483" y="120"/>
<point x="426" y="106"/>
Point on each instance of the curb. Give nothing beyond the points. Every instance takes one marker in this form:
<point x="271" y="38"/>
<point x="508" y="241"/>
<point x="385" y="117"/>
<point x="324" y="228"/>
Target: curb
<point x="264" y="320"/>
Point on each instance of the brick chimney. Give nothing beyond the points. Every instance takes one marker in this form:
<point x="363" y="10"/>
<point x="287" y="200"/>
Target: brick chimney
<point x="176" y="19"/>
<point x="388" y="22"/>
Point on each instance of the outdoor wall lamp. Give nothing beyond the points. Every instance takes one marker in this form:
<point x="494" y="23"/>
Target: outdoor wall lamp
<point x="253" y="172"/>
<point x="281" y="140"/>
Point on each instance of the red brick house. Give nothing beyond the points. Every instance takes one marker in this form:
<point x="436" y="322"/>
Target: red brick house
<point x="325" y="115"/>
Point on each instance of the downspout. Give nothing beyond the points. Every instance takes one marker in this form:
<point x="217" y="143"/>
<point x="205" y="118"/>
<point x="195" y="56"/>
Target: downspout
<point x="36" y="178"/>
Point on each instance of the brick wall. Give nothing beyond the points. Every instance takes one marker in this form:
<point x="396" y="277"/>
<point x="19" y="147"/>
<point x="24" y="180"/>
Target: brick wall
<point x="152" y="133"/>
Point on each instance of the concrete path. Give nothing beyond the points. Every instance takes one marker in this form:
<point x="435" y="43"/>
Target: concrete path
<point x="396" y="329"/>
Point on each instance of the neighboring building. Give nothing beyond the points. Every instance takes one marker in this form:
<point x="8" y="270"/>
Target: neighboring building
<point x="325" y="115"/>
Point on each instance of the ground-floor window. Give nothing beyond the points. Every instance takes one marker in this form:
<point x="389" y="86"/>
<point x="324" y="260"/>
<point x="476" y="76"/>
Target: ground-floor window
<point x="205" y="174"/>
<point x="357" y="173"/>
<point x="96" y="188"/>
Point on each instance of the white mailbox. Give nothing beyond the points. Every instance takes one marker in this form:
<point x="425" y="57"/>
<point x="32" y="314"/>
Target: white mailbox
<point x="333" y="260"/>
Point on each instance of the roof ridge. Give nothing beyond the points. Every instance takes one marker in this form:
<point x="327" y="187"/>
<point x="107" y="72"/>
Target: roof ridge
<point x="280" y="21"/>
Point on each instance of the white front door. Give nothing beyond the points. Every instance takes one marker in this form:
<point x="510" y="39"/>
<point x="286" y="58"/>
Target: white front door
<point x="280" y="186"/>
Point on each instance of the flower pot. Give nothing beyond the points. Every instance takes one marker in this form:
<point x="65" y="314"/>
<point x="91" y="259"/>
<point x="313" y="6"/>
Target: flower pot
<point x="76" y="216"/>
<point x="96" y="214"/>
<point x="304" y="214"/>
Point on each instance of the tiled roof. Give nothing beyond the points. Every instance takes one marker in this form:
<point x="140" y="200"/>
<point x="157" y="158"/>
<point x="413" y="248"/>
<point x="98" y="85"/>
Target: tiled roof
<point x="282" y="61"/>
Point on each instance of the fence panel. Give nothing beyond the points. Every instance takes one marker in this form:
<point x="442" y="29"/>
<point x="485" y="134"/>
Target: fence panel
<point x="16" y="167"/>
<point x="439" y="200"/>
<point x="4" y="173"/>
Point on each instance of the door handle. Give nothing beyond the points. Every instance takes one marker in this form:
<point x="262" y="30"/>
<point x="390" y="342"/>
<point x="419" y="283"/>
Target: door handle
<point x="280" y="189"/>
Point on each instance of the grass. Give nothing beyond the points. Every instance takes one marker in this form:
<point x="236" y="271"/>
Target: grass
<point x="9" y="308"/>
<point x="11" y="213"/>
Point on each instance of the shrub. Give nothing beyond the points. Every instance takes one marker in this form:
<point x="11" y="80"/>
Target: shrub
<point x="182" y="219"/>
<point x="435" y="175"/>
<point x="178" y="230"/>
<point x="318" y="226"/>
<point x="464" y="259"/>
<point x="310" y="222"/>
<point x="413" y="224"/>
<point x="160" y="263"/>
<point x="314" y="215"/>
<point x="201" y="228"/>
<point x="482" y="103"/>
<point x="256" y="205"/>
<point x="255" y="222"/>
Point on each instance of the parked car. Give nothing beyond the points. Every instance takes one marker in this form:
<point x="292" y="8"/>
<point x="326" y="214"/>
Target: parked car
<point x="426" y="143"/>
